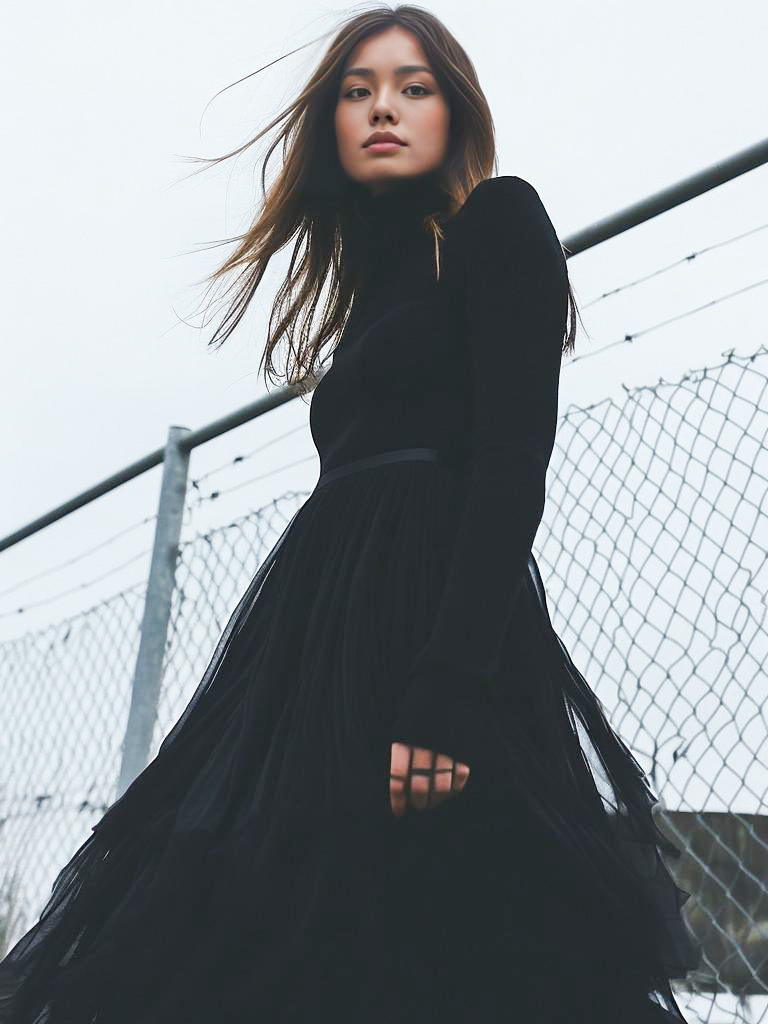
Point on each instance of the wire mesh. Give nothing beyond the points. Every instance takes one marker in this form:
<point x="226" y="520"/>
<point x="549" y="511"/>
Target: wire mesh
<point x="212" y="571"/>
<point x="64" y="692"/>
<point x="654" y="552"/>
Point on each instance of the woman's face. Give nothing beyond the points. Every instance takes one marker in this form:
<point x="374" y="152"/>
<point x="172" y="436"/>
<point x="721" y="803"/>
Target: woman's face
<point x="387" y="86"/>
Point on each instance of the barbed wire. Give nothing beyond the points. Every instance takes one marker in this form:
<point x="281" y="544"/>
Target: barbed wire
<point x="241" y="458"/>
<point x="68" y="562"/>
<point x="221" y="492"/>
<point x="660" y="271"/>
<point x="78" y="587"/>
<point x="629" y="338"/>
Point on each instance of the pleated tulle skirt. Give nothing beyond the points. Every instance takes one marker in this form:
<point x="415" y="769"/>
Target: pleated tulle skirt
<point x="254" y="871"/>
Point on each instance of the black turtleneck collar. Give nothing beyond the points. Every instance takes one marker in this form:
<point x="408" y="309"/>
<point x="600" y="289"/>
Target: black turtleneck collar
<point x="402" y="206"/>
<point x="388" y="227"/>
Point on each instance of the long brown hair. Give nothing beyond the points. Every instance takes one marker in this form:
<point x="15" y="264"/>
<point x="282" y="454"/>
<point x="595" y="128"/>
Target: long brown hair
<point x="310" y="198"/>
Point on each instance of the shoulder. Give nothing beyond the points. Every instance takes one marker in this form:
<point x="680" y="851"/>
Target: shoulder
<point x="507" y="209"/>
<point x="497" y="201"/>
<point x="505" y="192"/>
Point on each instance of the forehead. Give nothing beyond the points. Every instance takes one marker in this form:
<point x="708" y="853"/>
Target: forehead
<point x="393" y="51"/>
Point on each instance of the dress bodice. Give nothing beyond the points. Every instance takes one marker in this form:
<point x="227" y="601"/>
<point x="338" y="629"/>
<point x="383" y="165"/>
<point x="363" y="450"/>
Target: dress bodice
<point x="468" y="363"/>
<point x="397" y="374"/>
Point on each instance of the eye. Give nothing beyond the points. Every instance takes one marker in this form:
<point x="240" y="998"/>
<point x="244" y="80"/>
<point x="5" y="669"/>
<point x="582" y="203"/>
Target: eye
<point x="426" y="92"/>
<point x="357" y="88"/>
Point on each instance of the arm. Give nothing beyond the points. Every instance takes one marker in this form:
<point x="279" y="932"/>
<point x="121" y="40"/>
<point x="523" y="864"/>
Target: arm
<point x="516" y="307"/>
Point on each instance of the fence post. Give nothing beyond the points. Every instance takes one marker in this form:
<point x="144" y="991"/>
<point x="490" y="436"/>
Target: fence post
<point x="148" y="674"/>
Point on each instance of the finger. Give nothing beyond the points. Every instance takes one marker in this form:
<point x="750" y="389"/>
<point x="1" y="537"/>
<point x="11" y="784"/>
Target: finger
<point x="397" y="794"/>
<point x="423" y="758"/>
<point x="442" y="786"/>
<point x="398" y="778"/>
<point x="399" y="759"/>
<point x="421" y="777"/>
<point x="460" y="776"/>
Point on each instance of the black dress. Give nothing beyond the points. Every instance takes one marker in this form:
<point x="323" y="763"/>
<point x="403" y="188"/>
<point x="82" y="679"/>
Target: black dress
<point x="254" y="871"/>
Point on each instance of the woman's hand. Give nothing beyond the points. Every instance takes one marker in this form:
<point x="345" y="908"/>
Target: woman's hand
<point x="422" y="778"/>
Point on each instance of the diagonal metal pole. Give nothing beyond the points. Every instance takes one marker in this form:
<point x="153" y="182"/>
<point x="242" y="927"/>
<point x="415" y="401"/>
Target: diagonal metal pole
<point x="148" y="674"/>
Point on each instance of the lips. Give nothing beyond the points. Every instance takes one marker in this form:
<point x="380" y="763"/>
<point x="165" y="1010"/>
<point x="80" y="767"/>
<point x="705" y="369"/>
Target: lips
<point x="383" y="137"/>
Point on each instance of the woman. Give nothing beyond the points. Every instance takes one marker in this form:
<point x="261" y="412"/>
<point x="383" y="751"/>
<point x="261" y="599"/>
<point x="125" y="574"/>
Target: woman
<point x="392" y="797"/>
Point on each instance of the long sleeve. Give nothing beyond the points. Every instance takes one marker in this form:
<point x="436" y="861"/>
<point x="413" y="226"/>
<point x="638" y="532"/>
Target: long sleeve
<point x="515" y="278"/>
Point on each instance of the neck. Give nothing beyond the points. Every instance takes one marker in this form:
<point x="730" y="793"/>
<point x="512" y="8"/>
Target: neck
<point x="388" y="227"/>
<point x="406" y="201"/>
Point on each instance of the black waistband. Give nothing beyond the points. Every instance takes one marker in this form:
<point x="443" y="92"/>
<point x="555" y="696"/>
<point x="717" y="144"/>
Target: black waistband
<point x="380" y="458"/>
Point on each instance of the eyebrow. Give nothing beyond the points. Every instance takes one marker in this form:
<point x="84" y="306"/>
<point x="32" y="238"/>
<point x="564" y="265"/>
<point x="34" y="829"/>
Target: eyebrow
<point x="406" y="69"/>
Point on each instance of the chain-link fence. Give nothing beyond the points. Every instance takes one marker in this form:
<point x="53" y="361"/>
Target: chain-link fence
<point x="64" y="693"/>
<point x="213" y="570"/>
<point x="653" y="551"/>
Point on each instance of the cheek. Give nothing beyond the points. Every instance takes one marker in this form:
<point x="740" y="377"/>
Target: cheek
<point x="343" y="129"/>
<point x="437" y="127"/>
